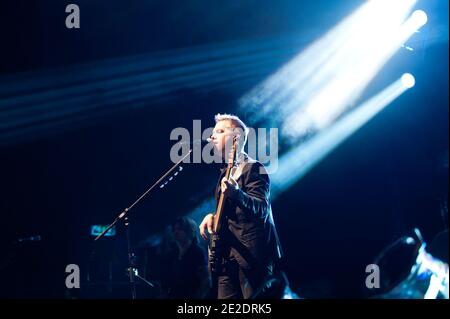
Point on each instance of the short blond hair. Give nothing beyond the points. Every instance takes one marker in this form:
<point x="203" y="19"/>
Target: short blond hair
<point x="236" y="121"/>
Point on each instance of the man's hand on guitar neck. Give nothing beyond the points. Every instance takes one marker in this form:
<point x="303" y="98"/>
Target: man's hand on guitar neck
<point x="207" y="223"/>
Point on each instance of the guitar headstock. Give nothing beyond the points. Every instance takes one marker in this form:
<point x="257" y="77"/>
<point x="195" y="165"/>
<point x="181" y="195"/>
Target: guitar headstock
<point x="233" y="152"/>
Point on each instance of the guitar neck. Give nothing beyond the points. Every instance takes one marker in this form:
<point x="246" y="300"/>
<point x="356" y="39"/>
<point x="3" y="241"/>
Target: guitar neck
<point x="221" y="204"/>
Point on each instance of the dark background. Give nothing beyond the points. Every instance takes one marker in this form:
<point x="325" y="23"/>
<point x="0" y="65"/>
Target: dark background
<point x="61" y="177"/>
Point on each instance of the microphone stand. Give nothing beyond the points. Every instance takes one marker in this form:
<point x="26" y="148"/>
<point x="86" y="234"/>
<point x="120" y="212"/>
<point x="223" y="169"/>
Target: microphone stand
<point x="124" y="215"/>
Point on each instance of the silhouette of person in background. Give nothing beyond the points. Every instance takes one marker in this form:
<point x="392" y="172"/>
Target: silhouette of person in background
<point x="184" y="270"/>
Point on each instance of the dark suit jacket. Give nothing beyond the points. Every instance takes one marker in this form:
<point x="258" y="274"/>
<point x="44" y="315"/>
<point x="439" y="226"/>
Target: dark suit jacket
<point x="248" y="229"/>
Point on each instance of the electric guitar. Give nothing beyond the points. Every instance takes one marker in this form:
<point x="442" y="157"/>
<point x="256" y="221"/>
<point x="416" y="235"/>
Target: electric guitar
<point x="215" y="254"/>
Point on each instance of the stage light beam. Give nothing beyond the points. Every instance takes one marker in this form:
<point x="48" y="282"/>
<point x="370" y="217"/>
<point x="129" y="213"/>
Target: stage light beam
<point x="322" y="82"/>
<point x="300" y="160"/>
<point x="419" y="18"/>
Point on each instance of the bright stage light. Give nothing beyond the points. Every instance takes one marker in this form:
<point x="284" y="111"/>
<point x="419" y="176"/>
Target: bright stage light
<point x="408" y="80"/>
<point x="419" y="17"/>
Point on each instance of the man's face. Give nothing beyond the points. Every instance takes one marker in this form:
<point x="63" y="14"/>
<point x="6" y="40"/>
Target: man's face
<point x="222" y="136"/>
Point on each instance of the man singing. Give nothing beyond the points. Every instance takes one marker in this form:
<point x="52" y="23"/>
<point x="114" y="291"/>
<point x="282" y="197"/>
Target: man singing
<point x="248" y="239"/>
